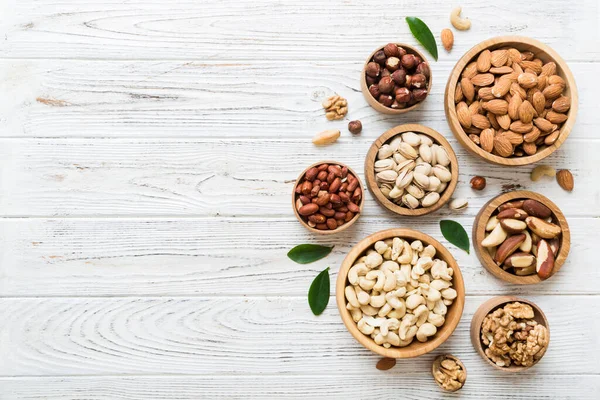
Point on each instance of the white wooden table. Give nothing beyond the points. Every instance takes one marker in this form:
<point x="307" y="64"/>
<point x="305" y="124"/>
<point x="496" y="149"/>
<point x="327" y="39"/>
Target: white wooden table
<point x="147" y="154"/>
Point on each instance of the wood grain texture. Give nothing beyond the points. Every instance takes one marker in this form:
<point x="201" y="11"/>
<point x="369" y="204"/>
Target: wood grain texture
<point x="385" y="385"/>
<point x="218" y="99"/>
<point x="245" y="177"/>
<point x="227" y="336"/>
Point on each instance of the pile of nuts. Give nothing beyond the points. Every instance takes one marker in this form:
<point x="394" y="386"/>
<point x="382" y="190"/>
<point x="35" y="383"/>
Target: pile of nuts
<point x="412" y="171"/>
<point x="523" y="238"/>
<point x="512" y="336"/>
<point x="398" y="291"/>
<point x="328" y="196"/>
<point x="448" y="372"/>
<point x="336" y="107"/>
<point x="397" y="79"/>
<point x="510" y="103"/>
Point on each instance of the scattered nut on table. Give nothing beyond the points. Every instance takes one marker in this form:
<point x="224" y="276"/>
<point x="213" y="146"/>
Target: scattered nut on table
<point x="478" y="183"/>
<point x="398" y="291"/>
<point x="510" y="103"/>
<point x="412" y="171"/>
<point x="328" y="196"/>
<point x="355" y="127"/>
<point x="336" y="107"/>
<point x="447" y="39"/>
<point x="449" y="373"/>
<point x="511" y="336"/>
<point x="458" y="204"/>
<point x="564" y="177"/>
<point x="523" y="237"/>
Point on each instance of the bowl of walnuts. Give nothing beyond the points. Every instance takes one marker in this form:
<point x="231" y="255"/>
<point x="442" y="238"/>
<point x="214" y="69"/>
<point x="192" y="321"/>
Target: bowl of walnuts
<point x="511" y="100"/>
<point x="396" y="78"/>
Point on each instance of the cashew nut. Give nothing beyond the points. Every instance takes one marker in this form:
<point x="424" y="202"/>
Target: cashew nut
<point x="379" y="276"/>
<point x="366" y="284"/>
<point x="407" y="254"/>
<point x="439" y="270"/>
<point x="390" y="266"/>
<point x="416" y="272"/>
<point x="400" y="278"/>
<point x="377" y="301"/>
<point x="385" y="310"/>
<point x="414" y="300"/>
<point x="408" y="321"/>
<point x="439" y="284"/>
<point x="390" y="280"/>
<point x="362" y="296"/>
<point x="397" y="247"/>
<point x="428" y="251"/>
<point x="398" y="313"/>
<point x="426" y="330"/>
<point x="405" y="269"/>
<point x="369" y="310"/>
<point x="404" y="343"/>
<point x="389" y="324"/>
<point x="421" y="312"/>
<point x="415" y="258"/>
<point x="462" y="24"/>
<point x="433" y="294"/>
<point x="364" y="327"/>
<point x="440" y="308"/>
<point x="417" y="245"/>
<point x="436" y="319"/>
<point x="446" y="302"/>
<point x="541" y="170"/>
<point x="449" y="294"/>
<point x="496" y="237"/>
<point x="388" y="254"/>
<point x="381" y="247"/>
<point x="393" y="339"/>
<point x="351" y="296"/>
<point x="356" y="314"/>
<point x="356" y="271"/>
<point x="425" y="278"/>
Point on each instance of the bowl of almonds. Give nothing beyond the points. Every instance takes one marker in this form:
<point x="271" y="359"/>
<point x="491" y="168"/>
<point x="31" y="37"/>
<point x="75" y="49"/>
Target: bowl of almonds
<point x="411" y="170"/>
<point x="511" y="100"/>
<point x="521" y="237"/>
<point x="327" y="197"/>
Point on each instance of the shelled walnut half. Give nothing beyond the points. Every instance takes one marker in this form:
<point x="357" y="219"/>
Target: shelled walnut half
<point x="449" y="372"/>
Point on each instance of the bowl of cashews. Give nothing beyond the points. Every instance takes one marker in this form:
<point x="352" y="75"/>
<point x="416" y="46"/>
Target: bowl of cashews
<point x="400" y="293"/>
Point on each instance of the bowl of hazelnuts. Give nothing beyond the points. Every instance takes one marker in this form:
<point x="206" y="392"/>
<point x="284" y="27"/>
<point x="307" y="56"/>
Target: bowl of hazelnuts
<point x="395" y="79"/>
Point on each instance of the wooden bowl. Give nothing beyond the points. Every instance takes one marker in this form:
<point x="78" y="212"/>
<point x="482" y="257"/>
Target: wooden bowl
<point x="441" y="358"/>
<point x="377" y="105"/>
<point x="541" y="51"/>
<point x="416" y="348"/>
<point x="340" y="228"/>
<point x="370" y="169"/>
<point x="484" y="256"/>
<point x="489" y="306"/>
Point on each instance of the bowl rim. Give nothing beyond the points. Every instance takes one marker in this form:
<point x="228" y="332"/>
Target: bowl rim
<point x="339" y="228"/>
<point x="484" y="256"/>
<point x="501" y="41"/>
<point x="490" y="305"/>
<point x="370" y="169"/>
<point x="372" y="101"/>
<point x="455" y="359"/>
<point x="416" y="348"/>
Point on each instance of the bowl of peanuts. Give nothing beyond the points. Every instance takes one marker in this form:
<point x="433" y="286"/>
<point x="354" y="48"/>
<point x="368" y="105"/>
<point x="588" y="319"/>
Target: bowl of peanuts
<point x="511" y="100"/>
<point x="400" y="293"/>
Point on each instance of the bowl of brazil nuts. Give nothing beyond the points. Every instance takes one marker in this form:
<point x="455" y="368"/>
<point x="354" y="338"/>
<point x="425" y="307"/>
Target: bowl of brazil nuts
<point x="411" y="170"/>
<point x="510" y="333"/>
<point x="521" y="237"/>
<point x="327" y="197"/>
<point x="400" y="293"/>
<point x="396" y="78"/>
<point x="511" y="100"/>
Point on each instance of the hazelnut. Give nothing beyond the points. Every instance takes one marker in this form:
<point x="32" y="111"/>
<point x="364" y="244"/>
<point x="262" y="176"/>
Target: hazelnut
<point x="423" y="68"/>
<point x="409" y="61"/>
<point x="355" y="127"/>
<point x="386" y="85"/>
<point x="391" y="50"/>
<point x="408" y="80"/>
<point x="372" y="69"/>
<point x="478" y="183"/>
<point x="401" y="52"/>
<point x="386" y="100"/>
<point x="385" y="72"/>
<point x="403" y="95"/>
<point x="418" y="95"/>
<point x="379" y="57"/>
<point x="418" y="81"/>
<point x="418" y="60"/>
<point x="370" y="80"/>
<point x="392" y="63"/>
<point x="397" y="105"/>
<point x="374" y="90"/>
<point x="399" y="76"/>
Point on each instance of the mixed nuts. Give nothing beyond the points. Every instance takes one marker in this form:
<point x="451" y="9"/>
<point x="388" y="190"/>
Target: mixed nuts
<point x="398" y="291"/>
<point x="523" y="237"/>
<point x="412" y="171"/>
<point x="511" y="103"/>
<point x="397" y="79"/>
<point x="328" y="196"/>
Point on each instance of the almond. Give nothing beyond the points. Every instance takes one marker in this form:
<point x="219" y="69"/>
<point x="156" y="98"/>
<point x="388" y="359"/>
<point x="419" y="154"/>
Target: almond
<point x="458" y="94"/>
<point x="493" y="120"/>
<point x="467" y="88"/>
<point x="447" y="39"/>
<point x="534" y="66"/>
<point x="485" y="93"/>
<point x="543" y="124"/>
<point x="565" y="179"/>
<point x="480" y="121"/>
<point x="513" y="107"/>
<point x="486" y="140"/>
<point x="552" y="91"/>
<point x="470" y="70"/>
<point x="515" y="90"/>
<point x="529" y="148"/>
<point x="538" y="102"/>
<point x="475" y="108"/>
<point x="503" y="146"/>
<point x="509" y="246"/>
<point x="549" y="69"/>
<point x="499" y="57"/>
<point x="527" y="80"/>
<point x="503" y="121"/>
<point x="545" y="230"/>
<point x="482" y="79"/>
<point x="496" y="106"/>
<point x="526" y="112"/>
<point x="463" y="114"/>
<point x="521" y="127"/>
<point x="513" y="226"/>
<point x="532" y="136"/>
<point x="551" y="138"/>
<point x="514" y="55"/>
<point x="387" y="363"/>
<point x="514" y="138"/>
<point x="536" y="209"/>
<point x="501" y="70"/>
<point x="501" y="87"/>
<point x="555" y="118"/>
<point x="556" y="80"/>
<point x="512" y="213"/>
<point x="484" y="61"/>
<point x="544" y="260"/>
<point x="562" y="104"/>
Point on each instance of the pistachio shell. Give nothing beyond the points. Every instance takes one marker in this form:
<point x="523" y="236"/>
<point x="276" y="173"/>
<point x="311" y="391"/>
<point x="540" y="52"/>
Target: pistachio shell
<point x="411" y="138"/>
<point x="384" y="152"/>
<point x="430" y="199"/>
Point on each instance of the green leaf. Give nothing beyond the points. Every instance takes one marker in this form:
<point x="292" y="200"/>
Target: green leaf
<point x="423" y="34"/>
<point x="318" y="294"/>
<point x="455" y="234"/>
<point x="307" y="253"/>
